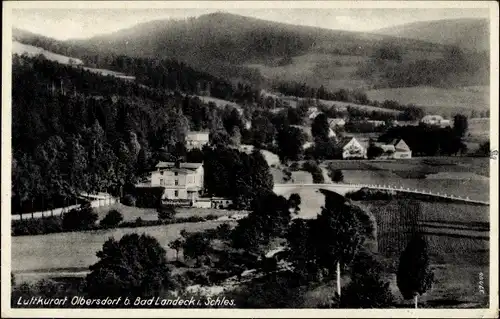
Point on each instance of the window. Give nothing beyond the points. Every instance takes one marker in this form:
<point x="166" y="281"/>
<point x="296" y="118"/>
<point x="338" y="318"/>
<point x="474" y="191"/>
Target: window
<point x="176" y="173"/>
<point x="161" y="172"/>
<point x="161" y="182"/>
<point x="176" y="182"/>
<point x="176" y="193"/>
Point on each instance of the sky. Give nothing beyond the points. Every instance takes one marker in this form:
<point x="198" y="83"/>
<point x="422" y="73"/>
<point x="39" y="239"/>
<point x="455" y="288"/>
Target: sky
<point x="65" y="24"/>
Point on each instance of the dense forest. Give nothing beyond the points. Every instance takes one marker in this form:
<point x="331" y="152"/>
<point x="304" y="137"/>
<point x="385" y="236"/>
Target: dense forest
<point x="74" y="130"/>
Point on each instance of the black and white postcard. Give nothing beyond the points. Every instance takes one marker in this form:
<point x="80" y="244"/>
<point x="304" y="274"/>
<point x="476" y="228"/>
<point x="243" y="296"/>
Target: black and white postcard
<point x="250" y="159"/>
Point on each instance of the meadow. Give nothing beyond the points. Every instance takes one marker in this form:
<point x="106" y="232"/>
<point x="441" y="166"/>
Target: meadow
<point x="437" y="100"/>
<point x="76" y="251"/>
<point x="316" y="69"/>
<point x="458" y="246"/>
<point x="21" y="48"/>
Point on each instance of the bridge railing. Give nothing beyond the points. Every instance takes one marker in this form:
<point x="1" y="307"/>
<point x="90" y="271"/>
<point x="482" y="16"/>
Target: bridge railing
<point x="391" y="188"/>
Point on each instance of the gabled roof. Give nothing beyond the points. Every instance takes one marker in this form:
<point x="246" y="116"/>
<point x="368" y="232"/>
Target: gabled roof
<point x="347" y="140"/>
<point x="400" y="145"/>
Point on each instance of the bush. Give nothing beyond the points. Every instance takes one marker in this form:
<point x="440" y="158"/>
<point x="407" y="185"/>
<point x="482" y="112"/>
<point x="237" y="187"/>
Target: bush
<point x="128" y="200"/>
<point x="79" y="219"/>
<point x="366" y="289"/>
<point x="371" y="194"/>
<point x="166" y="213"/>
<point x="39" y="226"/>
<point x="316" y="172"/>
<point x="148" y="197"/>
<point x="147" y="273"/>
<point x="335" y="174"/>
<point x="112" y="219"/>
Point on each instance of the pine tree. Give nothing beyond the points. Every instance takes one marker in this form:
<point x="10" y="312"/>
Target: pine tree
<point x="414" y="276"/>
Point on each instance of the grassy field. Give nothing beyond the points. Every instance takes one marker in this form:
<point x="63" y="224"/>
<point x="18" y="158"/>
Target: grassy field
<point x="437" y="100"/>
<point x="77" y="250"/>
<point x="219" y="102"/>
<point x="21" y="48"/>
<point x="427" y="165"/>
<point x="316" y="69"/>
<point x="479" y="130"/>
<point x="474" y="189"/>
<point x="458" y="246"/>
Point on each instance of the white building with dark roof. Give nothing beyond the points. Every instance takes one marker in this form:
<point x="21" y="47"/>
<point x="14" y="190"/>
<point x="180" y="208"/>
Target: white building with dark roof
<point x="197" y="139"/>
<point x="181" y="180"/>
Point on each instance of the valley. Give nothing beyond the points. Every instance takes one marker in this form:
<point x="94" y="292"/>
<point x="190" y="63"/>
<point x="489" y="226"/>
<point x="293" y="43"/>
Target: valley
<point x="255" y="156"/>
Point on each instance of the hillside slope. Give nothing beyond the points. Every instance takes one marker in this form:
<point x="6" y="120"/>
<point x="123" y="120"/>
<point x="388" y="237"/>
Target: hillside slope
<point x="472" y="34"/>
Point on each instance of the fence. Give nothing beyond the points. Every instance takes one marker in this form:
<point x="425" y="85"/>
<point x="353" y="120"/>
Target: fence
<point x="99" y="201"/>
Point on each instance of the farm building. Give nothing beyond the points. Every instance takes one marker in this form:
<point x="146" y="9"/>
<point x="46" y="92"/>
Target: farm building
<point x="395" y="149"/>
<point x="336" y="122"/>
<point x="197" y="139"/>
<point x="352" y="148"/>
<point x="401" y="149"/>
<point x="435" y="120"/>
<point x="376" y="123"/>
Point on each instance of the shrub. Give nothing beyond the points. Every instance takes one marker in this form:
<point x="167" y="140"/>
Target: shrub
<point x="128" y="200"/>
<point x="166" y="212"/>
<point x="139" y="222"/>
<point x="370" y="194"/>
<point x="148" y="197"/>
<point x="366" y="289"/>
<point x="112" y="219"/>
<point x="147" y="273"/>
<point x="79" y="219"/>
<point x="39" y="226"/>
<point x="335" y="174"/>
<point x="316" y="172"/>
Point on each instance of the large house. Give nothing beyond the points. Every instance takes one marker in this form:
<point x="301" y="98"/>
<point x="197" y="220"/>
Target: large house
<point x="352" y="148"/>
<point x="182" y="181"/>
<point x="197" y="139"/>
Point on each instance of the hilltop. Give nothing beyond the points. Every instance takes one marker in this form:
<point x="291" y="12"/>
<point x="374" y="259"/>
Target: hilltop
<point x="471" y="34"/>
<point x="266" y="53"/>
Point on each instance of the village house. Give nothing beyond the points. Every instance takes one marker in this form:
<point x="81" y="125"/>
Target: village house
<point x="401" y="149"/>
<point x="197" y="139"/>
<point x="336" y="122"/>
<point x="437" y="120"/>
<point x="396" y="149"/>
<point x="352" y="148"/>
<point x="182" y="181"/>
<point x="388" y="150"/>
<point x="376" y="123"/>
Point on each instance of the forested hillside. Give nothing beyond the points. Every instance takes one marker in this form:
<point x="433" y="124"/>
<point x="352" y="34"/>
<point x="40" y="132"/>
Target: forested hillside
<point x="73" y="130"/>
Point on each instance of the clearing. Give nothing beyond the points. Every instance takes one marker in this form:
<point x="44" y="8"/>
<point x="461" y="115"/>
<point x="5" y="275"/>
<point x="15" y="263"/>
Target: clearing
<point x="76" y="251"/>
<point x="445" y="102"/>
<point x="458" y="238"/>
